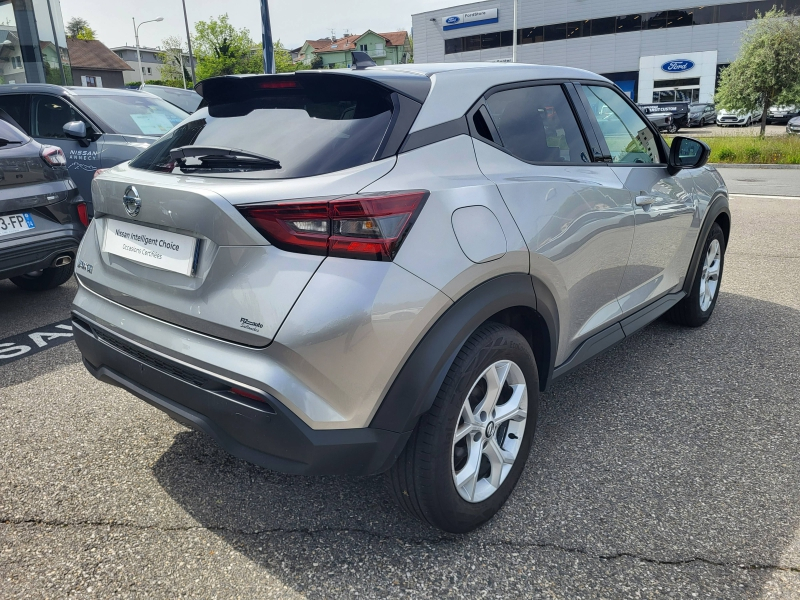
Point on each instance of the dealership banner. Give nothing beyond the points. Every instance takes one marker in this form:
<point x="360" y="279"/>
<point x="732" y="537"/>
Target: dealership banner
<point x="470" y="19"/>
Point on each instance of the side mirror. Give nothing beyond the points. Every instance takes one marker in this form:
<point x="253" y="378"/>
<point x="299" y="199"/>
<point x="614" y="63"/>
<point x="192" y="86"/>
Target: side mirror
<point x="75" y="130"/>
<point x="687" y="153"/>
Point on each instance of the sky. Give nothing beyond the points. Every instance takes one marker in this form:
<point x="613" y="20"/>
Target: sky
<point x="293" y="21"/>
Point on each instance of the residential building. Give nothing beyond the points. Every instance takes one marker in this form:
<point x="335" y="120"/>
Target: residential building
<point x="305" y="53"/>
<point x="384" y="48"/>
<point x="654" y="50"/>
<point x="94" y="65"/>
<point x="33" y="45"/>
<point x="151" y="63"/>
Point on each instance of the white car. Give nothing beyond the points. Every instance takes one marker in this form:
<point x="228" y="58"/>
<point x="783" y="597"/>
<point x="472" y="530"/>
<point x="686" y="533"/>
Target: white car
<point x="727" y="118"/>
<point x="784" y="113"/>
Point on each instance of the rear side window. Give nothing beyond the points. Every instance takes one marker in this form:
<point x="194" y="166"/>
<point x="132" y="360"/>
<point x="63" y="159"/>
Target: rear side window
<point x="16" y="105"/>
<point x="310" y="125"/>
<point x="537" y="124"/>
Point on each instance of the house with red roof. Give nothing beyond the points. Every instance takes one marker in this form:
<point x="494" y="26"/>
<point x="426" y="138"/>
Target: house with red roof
<point x="384" y="48"/>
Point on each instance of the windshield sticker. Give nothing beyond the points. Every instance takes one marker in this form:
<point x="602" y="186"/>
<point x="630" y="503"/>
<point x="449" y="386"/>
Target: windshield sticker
<point x="152" y="123"/>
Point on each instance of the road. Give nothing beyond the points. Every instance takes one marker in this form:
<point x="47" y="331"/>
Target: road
<point x="665" y="468"/>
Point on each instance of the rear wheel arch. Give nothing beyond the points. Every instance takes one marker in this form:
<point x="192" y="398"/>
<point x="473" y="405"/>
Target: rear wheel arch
<point x="514" y="299"/>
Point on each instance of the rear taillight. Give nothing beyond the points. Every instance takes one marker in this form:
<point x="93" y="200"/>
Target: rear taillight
<point x="369" y="227"/>
<point x="83" y="213"/>
<point x="53" y="156"/>
<point x="98" y="172"/>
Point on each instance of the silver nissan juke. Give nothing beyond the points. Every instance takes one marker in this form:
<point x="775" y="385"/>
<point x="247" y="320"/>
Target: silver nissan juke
<point x="379" y="270"/>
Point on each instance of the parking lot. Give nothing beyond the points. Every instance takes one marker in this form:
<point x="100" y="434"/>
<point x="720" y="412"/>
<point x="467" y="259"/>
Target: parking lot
<point x="665" y="468"/>
<point x="716" y="131"/>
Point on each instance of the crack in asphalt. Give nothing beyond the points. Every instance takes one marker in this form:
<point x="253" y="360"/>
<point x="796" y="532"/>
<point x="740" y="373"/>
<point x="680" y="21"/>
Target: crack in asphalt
<point x="410" y="542"/>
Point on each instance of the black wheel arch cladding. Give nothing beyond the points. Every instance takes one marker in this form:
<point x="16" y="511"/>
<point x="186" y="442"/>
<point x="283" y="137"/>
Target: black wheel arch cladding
<point x="516" y="299"/>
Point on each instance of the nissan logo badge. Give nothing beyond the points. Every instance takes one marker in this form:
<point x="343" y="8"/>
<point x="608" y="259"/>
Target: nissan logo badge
<point x="132" y="202"/>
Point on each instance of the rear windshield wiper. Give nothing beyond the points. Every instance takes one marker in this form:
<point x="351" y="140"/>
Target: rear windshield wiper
<point x="216" y="157"/>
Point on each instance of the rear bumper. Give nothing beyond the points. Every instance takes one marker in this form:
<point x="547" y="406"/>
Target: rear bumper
<point x="25" y="255"/>
<point x="264" y="433"/>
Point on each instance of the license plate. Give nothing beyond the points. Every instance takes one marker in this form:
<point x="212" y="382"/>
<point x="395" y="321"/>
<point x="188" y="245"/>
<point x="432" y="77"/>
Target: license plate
<point x="152" y="247"/>
<point x="15" y="223"/>
<point x="778" y="114"/>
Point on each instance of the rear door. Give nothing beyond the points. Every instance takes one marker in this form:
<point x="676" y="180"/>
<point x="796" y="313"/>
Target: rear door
<point x="664" y="204"/>
<point x="49" y="114"/>
<point x="574" y="214"/>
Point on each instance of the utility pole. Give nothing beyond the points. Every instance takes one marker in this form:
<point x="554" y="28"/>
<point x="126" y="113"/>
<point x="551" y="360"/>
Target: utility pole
<point x="266" y="37"/>
<point x="189" y="41"/>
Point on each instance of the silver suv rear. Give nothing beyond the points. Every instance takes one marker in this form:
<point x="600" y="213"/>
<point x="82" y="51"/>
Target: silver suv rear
<point x="379" y="270"/>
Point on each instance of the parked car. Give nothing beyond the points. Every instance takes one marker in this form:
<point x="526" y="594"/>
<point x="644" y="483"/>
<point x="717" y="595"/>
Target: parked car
<point x="782" y="114"/>
<point x="678" y="110"/>
<point x="187" y="100"/>
<point x="728" y="118"/>
<point x="701" y="114"/>
<point x="42" y="215"/>
<point x="793" y="126"/>
<point x="394" y="296"/>
<point x="662" y="120"/>
<point x="95" y="127"/>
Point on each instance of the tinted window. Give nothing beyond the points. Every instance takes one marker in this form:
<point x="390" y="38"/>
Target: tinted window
<point x="529" y="35"/>
<point x="135" y="115"/>
<point x="328" y="124"/>
<point x="604" y="26"/>
<point x="654" y="20"/>
<point x="578" y="29"/>
<point x="50" y="114"/>
<point x="9" y="133"/>
<point x="16" y="105"/>
<point x="453" y="46"/>
<point x="555" y="32"/>
<point x="792" y="6"/>
<point x="629" y="23"/>
<point x="703" y="15"/>
<point x="732" y="12"/>
<point x="490" y="40"/>
<point x="679" y="18"/>
<point x="763" y="8"/>
<point x="506" y="38"/>
<point x="472" y="42"/>
<point x="627" y="135"/>
<point x="536" y="124"/>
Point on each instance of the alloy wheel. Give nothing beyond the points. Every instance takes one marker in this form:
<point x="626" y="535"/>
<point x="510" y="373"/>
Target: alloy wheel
<point x="489" y="432"/>
<point x="709" y="278"/>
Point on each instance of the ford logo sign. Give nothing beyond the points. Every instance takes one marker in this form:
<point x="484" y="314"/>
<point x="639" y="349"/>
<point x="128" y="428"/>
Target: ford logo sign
<point x="677" y="66"/>
<point x="451" y="20"/>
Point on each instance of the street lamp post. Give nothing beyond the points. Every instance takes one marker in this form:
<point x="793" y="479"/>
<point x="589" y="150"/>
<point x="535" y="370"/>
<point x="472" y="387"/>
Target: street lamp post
<point x="189" y="42"/>
<point x="136" y="36"/>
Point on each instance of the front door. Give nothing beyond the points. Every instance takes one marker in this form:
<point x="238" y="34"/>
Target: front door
<point x="49" y="114"/>
<point x="664" y="204"/>
<point x="574" y="214"/>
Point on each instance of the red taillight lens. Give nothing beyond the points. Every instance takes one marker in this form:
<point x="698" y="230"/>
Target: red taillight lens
<point x="367" y="227"/>
<point x="83" y="213"/>
<point x="53" y="156"/>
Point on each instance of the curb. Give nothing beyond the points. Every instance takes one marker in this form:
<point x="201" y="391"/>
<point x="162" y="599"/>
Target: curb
<point x="746" y="166"/>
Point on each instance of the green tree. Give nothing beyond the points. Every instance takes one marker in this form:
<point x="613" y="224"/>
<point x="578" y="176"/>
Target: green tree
<point x="221" y="49"/>
<point x="283" y="60"/>
<point x="767" y="70"/>
<point x="78" y="28"/>
<point x="171" y="73"/>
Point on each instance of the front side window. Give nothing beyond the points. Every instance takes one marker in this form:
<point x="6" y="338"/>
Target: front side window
<point x="50" y="114"/>
<point x="135" y="115"/>
<point x="536" y="124"/>
<point x="628" y="137"/>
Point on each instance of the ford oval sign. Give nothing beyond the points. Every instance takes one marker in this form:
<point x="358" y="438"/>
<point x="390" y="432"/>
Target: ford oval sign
<point x="451" y="20"/>
<point x="677" y="66"/>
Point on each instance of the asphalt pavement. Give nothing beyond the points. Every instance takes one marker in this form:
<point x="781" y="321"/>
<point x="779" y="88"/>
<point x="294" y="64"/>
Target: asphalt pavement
<point x="666" y="468"/>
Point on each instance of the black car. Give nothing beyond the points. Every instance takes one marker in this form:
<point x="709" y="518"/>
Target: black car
<point x="701" y="114"/>
<point x="42" y="215"/>
<point x="678" y="110"/>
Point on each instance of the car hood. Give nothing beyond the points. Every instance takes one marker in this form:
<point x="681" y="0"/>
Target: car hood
<point x="795" y="121"/>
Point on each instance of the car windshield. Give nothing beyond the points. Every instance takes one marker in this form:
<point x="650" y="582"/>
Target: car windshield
<point x="322" y="125"/>
<point x="135" y="114"/>
<point x="697" y="108"/>
<point x="187" y="100"/>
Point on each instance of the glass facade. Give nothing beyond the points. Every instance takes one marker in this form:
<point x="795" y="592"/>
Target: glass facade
<point x="698" y="15"/>
<point x="33" y="45"/>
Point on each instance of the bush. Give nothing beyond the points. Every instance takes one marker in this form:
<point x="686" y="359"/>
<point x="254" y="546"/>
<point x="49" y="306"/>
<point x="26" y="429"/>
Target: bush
<point x="771" y="150"/>
<point x="726" y="154"/>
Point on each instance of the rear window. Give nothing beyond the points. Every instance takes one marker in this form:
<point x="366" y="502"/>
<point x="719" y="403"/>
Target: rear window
<point x="135" y="115"/>
<point x="187" y="100"/>
<point x="311" y="125"/>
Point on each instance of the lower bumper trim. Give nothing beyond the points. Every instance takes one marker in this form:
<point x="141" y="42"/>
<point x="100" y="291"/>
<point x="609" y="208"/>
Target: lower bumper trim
<point x="270" y="436"/>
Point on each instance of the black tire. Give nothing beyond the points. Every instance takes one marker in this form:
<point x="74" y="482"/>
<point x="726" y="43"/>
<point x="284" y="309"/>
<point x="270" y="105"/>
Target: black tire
<point x="46" y="279"/>
<point x="688" y="311"/>
<point x="422" y="478"/>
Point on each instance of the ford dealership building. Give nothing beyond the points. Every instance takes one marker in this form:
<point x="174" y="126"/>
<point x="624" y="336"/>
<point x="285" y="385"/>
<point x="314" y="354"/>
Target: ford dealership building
<point x="655" y="50"/>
